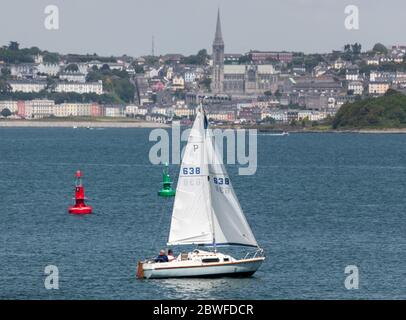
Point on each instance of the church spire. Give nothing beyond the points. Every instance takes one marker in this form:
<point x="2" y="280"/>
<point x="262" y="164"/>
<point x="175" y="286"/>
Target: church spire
<point x="218" y="39"/>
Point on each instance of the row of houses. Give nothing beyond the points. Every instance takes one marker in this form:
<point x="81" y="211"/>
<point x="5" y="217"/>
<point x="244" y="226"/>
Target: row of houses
<point x="39" y="69"/>
<point x="42" y="108"/>
<point x="29" y="86"/>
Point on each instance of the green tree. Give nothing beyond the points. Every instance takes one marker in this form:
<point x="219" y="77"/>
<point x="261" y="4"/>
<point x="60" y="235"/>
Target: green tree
<point x="50" y="57"/>
<point x="14" y="46"/>
<point x="205" y="82"/>
<point x="6" y="112"/>
<point x="73" y="67"/>
<point x="199" y="59"/>
<point x="388" y="111"/>
<point x="380" y="48"/>
<point x="5" y="72"/>
<point x="4" y="86"/>
<point x="278" y="94"/>
<point x="138" y="69"/>
<point x="245" y="59"/>
<point x="356" y="48"/>
<point x="51" y="84"/>
<point x="105" y="67"/>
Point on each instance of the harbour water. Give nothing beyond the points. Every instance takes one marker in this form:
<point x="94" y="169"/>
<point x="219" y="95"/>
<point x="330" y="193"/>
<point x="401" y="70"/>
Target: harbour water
<point x="317" y="203"/>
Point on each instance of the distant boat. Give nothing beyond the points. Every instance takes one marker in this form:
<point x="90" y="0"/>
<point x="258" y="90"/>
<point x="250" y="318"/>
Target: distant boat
<point x="74" y="127"/>
<point x="273" y="132"/>
<point x="206" y="212"/>
<point x="284" y="133"/>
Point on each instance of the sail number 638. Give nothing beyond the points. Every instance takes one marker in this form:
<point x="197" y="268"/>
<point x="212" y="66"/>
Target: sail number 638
<point x="191" y="170"/>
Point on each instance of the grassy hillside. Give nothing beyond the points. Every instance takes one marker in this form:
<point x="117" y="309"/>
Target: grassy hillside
<point x="388" y="111"/>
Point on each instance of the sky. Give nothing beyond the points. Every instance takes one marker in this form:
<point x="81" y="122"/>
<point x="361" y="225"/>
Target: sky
<point x="116" y="27"/>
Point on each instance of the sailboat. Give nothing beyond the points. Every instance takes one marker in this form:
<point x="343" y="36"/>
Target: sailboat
<point x="206" y="213"/>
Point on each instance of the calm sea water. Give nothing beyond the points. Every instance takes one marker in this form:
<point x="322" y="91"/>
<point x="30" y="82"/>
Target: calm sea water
<point x="318" y="203"/>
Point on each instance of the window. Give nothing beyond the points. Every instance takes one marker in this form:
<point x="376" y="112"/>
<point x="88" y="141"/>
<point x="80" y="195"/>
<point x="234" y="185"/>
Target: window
<point x="210" y="260"/>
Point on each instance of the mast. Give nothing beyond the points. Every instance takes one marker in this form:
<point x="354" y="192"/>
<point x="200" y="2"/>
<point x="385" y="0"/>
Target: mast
<point x="208" y="176"/>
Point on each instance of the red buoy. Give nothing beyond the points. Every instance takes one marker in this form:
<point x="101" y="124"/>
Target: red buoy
<point x="80" y="207"/>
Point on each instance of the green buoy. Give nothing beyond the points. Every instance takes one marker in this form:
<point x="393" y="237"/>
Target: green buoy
<point x="167" y="190"/>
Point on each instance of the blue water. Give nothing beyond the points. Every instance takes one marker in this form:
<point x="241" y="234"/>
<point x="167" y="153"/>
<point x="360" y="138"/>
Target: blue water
<point x="318" y="203"/>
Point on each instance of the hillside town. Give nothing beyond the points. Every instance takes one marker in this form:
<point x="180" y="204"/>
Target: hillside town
<point x="256" y="87"/>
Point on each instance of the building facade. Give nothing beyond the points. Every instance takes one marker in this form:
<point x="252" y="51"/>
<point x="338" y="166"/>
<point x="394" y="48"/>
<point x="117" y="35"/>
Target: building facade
<point x="248" y="79"/>
<point x="27" y="86"/>
<point x="78" y="87"/>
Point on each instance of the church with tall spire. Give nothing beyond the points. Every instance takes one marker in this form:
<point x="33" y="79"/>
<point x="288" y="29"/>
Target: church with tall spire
<point x="218" y="59"/>
<point x="238" y="79"/>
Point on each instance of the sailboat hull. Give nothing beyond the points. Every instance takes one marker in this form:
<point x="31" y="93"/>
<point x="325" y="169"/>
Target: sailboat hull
<point x="191" y="269"/>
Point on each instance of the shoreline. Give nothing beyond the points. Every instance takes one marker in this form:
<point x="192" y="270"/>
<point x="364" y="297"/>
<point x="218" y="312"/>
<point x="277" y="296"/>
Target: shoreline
<point x="360" y="131"/>
<point x="79" y="124"/>
<point x="152" y="125"/>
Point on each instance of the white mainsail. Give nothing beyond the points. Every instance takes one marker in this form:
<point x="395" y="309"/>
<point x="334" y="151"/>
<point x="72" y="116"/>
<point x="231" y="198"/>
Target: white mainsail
<point x="191" y="222"/>
<point x="206" y="209"/>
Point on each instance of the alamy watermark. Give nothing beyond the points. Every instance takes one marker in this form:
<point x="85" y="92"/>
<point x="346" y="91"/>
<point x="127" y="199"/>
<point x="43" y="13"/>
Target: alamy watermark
<point x="51" y="281"/>
<point x="241" y="147"/>
<point x="352" y="280"/>
<point x="51" y="21"/>
<point x="351" y="21"/>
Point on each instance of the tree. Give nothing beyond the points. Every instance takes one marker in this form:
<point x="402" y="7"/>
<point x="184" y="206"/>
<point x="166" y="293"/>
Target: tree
<point x="268" y="93"/>
<point x="138" y="69"/>
<point x="4" y="87"/>
<point x="5" y="71"/>
<point x="50" y="57"/>
<point x="380" y="48"/>
<point x="356" y="48"/>
<point x="51" y="84"/>
<point x="269" y="120"/>
<point x="353" y="48"/>
<point x="206" y="82"/>
<point x="247" y="58"/>
<point x="202" y="56"/>
<point x="14" y="46"/>
<point x="5" y="112"/>
<point x="199" y="59"/>
<point x="105" y="67"/>
<point x="278" y="94"/>
<point x="73" y="67"/>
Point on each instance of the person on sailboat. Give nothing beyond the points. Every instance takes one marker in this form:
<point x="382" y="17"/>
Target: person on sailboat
<point x="162" y="257"/>
<point x="171" y="257"/>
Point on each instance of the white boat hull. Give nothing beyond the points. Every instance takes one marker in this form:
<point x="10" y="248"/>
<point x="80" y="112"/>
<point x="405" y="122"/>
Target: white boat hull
<point x="184" y="269"/>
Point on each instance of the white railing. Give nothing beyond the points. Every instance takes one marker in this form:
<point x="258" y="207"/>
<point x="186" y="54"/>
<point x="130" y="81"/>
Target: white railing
<point x="254" y="254"/>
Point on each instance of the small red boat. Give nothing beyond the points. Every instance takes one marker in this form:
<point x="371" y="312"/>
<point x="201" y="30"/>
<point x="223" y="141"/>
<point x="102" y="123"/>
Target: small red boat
<point x="80" y="206"/>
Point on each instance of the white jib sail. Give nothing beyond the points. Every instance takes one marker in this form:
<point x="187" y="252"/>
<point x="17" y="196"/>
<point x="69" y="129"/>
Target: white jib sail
<point x="230" y="224"/>
<point x="191" y="221"/>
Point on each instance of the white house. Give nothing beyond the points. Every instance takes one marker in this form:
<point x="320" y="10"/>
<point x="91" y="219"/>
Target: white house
<point x="73" y="77"/>
<point x="78" y="87"/>
<point x="39" y="108"/>
<point x="356" y="87"/>
<point x="50" y="69"/>
<point x="27" y="86"/>
<point x="178" y="82"/>
<point x="190" y="76"/>
<point x="378" y="88"/>
<point x="114" y="111"/>
<point x="10" y="105"/>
